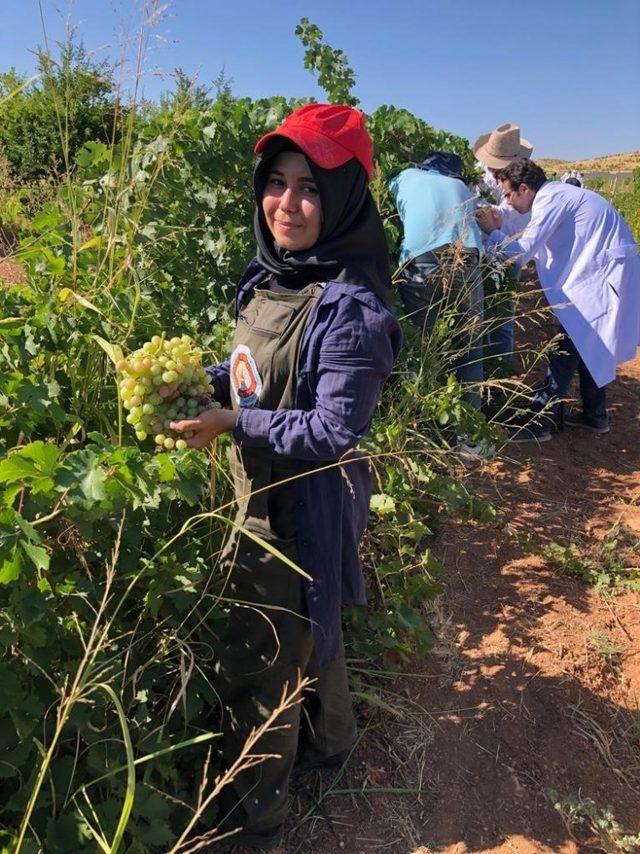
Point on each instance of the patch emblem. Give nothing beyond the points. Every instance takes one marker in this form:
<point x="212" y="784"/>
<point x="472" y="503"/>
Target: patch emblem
<point x="246" y="381"/>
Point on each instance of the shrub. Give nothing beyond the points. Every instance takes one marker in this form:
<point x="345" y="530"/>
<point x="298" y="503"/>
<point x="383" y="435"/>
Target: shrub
<point x="45" y="120"/>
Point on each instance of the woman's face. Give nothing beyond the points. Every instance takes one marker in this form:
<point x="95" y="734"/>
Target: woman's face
<point x="291" y="203"/>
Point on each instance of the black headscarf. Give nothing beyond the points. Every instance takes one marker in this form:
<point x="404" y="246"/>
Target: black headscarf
<point x="352" y="246"/>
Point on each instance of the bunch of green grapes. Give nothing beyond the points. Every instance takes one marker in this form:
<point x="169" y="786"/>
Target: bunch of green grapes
<point x="161" y="382"/>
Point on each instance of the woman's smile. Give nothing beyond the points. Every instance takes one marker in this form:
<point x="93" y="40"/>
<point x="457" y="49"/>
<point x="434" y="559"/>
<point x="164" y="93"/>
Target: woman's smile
<point x="291" y="203"/>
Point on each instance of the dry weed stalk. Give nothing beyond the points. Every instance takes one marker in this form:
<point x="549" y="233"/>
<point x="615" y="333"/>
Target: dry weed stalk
<point x="79" y="688"/>
<point x="245" y="760"/>
<point x="590" y="730"/>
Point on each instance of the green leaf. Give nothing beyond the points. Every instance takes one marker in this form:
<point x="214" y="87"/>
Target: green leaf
<point x="37" y="555"/>
<point x="46" y="220"/>
<point x="10" y="567"/>
<point x="29" y="604"/>
<point x="55" y="263"/>
<point x="32" y="465"/>
<point x="85" y="476"/>
<point x="66" y="833"/>
<point x="94" y="241"/>
<point x="383" y="504"/>
<point x="98" y="439"/>
<point x="92" y="154"/>
<point x="92" y="484"/>
<point x="11" y="323"/>
<point x="15" y="468"/>
<point x="166" y="468"/>
<point x="153" y="807"/>
<point x="156" y="834"/>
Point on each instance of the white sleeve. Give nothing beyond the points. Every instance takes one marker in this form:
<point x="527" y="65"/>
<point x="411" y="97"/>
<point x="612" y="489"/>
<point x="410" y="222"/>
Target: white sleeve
<point x="546" y="215"/>
<point x="512" y="221"/>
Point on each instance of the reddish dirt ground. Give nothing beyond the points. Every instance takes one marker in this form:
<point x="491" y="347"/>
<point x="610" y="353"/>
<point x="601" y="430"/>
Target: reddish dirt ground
<point x="10" y="271"/>
<point x="534" y="684"/>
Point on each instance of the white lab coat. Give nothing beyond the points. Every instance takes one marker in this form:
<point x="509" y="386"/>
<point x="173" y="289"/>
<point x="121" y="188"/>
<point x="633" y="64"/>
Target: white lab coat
<point x="589" y="268"/>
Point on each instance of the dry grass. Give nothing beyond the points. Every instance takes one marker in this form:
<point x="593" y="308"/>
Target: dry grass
<point x="388" y="781"/>
<point x="605" y="742"/>
<point x="609" y="163"/>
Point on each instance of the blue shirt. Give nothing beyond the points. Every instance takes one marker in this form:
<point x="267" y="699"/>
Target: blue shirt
<point x="435" y="210"/>
<point x="348" y="348"/>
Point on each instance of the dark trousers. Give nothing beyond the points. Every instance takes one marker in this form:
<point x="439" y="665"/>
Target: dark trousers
<point x="267" y="644"/>
<point x="500" y="280"/>
<point x="563" y="363"/>
<point x="447" y="282"/>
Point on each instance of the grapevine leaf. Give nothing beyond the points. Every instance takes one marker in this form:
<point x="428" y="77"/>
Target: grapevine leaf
<point x="98" y="439"/>
<point x="85" y="476"/>
<point x="11" y="567"/>
<point x="32" y="466"/>
<point x="155" y="834"/>
<point x="29" y="604"/>
<point x="383" y="504"/>
<point x="15" y="468"/>
<point x="37" y="554"/>
<point x="92" y="484"/>
<point x="166" y="468"/>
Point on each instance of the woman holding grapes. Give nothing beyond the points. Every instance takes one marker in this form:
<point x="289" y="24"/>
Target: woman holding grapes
<point x="314" y="342"/>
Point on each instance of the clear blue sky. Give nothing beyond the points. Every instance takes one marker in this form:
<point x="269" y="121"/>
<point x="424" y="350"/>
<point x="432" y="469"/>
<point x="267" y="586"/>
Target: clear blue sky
<point x="567" y="71"/>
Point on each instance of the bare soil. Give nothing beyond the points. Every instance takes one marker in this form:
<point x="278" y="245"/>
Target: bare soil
<point x="11" y="272"/>
<point x="534" y="684"/>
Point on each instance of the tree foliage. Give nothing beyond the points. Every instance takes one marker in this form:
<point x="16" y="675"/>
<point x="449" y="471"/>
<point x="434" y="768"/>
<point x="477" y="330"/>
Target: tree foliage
<point x="331" y="66"/>
<point x="45" y="121"/>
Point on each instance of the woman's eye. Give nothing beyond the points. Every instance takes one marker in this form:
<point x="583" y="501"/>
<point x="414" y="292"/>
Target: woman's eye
<point x="275" y="182"/>
<point x="311" y="189"/>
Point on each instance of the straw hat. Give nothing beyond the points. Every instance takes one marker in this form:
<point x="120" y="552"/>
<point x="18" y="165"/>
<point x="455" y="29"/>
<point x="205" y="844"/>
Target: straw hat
<point x="504" y="144"/>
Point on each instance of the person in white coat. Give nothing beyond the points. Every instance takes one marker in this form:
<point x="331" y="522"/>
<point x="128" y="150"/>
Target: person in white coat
<point x="589" y="269"/>
<point x="494" y="151"/>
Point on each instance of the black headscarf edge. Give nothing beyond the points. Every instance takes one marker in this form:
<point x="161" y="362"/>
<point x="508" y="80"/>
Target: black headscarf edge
<point x="352" y="246"/>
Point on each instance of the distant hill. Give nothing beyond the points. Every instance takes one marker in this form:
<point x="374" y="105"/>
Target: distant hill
<point x="610" y="163"/>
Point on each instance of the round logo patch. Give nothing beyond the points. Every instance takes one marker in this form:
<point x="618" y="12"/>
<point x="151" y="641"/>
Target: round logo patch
<point x="246" y="381"/>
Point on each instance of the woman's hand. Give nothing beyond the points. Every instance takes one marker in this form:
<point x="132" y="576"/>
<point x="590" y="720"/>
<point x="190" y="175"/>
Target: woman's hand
<point x="489" y="219"/>
<point x="206" y="426"/>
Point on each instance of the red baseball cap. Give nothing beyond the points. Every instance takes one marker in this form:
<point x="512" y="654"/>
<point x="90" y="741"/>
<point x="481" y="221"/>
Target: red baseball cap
<point x="329" y="134"/>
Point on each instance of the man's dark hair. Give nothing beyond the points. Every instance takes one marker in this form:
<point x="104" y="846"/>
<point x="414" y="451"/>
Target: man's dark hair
<point x="573" y="181"/>
<point x="524" y="171"/>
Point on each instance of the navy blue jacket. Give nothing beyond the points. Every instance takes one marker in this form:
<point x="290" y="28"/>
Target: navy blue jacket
<point x="348" y="349"/>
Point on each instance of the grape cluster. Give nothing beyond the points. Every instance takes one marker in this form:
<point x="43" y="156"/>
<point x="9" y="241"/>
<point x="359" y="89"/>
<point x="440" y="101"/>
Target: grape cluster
<point x="161" y="382"/>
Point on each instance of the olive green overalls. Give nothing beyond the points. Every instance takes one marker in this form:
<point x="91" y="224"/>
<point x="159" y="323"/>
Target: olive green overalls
<point x="268" y="641"/>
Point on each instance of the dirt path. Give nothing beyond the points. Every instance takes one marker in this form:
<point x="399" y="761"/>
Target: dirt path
<point x="535" y="683"/>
